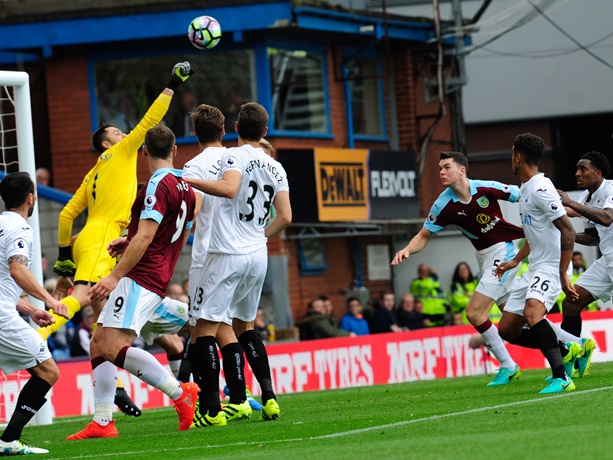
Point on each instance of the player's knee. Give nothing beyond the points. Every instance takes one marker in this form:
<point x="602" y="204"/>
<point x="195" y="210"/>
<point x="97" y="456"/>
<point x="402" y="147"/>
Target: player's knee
<point x="48" y="371"/>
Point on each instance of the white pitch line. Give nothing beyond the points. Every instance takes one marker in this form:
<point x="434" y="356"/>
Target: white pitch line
<point x="353" y="432"/>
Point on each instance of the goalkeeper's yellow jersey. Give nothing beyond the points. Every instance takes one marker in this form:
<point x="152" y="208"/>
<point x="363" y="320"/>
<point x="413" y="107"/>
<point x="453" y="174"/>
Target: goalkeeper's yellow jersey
<point x="109" y="188"/>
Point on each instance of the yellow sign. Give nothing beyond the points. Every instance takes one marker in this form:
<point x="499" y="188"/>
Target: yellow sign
<point x="342" y="184"/>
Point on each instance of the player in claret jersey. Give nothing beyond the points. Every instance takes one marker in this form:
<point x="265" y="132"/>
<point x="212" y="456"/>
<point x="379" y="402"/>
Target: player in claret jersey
<point x="472" y="205"/>
<point x="161" y="218"/>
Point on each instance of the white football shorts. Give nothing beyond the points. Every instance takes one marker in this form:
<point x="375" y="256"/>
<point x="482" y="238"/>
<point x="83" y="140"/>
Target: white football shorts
<point x="168" y="318"/>
<point x="22" y="347"/>
<point x="489" y="284"/>
<point x="597" y="280"/>
<point x="197" y="278"/>
<point x="129" y="306"/>
<point x="542" y="284"/>
<point x="232" y="286"/>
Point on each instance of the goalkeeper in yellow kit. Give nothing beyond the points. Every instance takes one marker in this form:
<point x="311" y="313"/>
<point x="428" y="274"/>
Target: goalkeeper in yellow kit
<point x="107" y="192"/>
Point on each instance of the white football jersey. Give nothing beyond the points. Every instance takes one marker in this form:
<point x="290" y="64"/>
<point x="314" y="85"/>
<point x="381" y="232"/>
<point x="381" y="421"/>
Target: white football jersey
<point x="601" y="199"/>
<point x="539" y="206"/>
<point x="238" y="226"/>
<point x="205" y="166"/>
<point x="15" y="239"/>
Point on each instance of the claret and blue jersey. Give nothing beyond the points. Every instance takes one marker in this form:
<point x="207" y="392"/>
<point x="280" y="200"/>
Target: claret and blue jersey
<point x="481" y="219"/>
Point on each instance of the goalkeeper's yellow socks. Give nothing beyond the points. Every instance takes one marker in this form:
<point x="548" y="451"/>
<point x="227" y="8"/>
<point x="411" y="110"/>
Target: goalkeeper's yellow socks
<point x="73" y="307"/>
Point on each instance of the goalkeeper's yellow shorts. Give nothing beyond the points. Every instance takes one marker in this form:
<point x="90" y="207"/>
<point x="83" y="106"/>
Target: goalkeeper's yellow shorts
<point x="90" y="250"/>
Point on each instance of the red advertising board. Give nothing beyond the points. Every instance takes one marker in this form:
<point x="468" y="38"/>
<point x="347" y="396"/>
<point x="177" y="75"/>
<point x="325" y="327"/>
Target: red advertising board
<point x="325" y="364"/>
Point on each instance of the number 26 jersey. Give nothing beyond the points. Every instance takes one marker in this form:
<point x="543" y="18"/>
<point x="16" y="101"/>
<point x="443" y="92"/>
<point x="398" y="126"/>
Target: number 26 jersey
<point x="238" y="223"/>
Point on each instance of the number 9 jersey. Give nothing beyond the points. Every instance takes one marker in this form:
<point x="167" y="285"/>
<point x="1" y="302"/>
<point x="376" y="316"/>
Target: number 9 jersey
<point x="238" y="223"/>
<point x="169" y="201"/>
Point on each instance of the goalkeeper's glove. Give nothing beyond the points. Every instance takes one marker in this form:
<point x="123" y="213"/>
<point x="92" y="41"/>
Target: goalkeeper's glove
<point x="180" y="73"/>
<point x="64" y="265"/>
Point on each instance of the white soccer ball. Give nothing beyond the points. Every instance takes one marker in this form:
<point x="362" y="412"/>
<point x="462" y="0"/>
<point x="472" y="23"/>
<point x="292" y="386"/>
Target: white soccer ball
<point x="204" y="32"/>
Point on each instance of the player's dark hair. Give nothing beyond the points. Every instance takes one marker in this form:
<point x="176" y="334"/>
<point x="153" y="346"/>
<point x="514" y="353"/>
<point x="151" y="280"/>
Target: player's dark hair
<point x="531" y="146"/>
<point x="599" y="161"/>
<point x="252" y="121"/>
<point x="208" y="123"/>
<point x="458" y="158"/>
<point x="15" y="188"/>
<point x="160" y="141"/>
<point x="100" y="135"/>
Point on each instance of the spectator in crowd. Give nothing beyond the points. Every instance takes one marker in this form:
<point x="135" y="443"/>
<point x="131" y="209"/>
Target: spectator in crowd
<point x="384" y="319"/>
<point x="353" y="320"/>
<point x="463" y="285"/>
<point x="43" y="176"/>
<point x="316" y="324"/>
<point x="427" y="288"/>
<point x="328" y="307"/>
<point x="409" y="314"/>
<point x="176" y="292"/>
<point x="185" y="285"/>
<point x="260" y="325"/>
<point x="83" y="335"/>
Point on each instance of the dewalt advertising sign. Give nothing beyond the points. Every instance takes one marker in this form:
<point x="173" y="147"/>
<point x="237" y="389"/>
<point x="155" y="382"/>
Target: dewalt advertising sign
<point x="342" y="184"/>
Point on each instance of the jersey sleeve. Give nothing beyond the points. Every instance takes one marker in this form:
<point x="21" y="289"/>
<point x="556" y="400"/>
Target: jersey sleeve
<point x="283" y="183"/>
<point x="550" y="203"/>
<point x="433" y="222"/>
<point x="156" y="200"/>
<point x="76" y="205"/>
<point x="231" y="161"/>
<point x="19" y="242"/>
<point x="194" y="171"/>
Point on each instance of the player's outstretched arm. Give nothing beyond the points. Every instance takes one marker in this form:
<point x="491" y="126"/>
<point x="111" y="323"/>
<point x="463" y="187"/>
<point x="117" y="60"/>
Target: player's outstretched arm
<point x="417" y="243"/>
<point x="283" y="216"/>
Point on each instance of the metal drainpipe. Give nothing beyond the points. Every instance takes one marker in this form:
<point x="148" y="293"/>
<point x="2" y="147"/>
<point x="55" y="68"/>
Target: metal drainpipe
<point x="348" y="108"/>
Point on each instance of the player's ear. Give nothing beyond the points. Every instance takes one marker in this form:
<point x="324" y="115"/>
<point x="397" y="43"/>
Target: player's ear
<point x="145" y="152"/>
<point x="265" y="131"/>
<point x="174" y="151"/>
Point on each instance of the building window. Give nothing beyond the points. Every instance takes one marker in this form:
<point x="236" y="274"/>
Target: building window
<point x="298" y="92"/>
<point x="312" y="256"/>
<point x="366" y="97"/>
<point x="124" y="90"/>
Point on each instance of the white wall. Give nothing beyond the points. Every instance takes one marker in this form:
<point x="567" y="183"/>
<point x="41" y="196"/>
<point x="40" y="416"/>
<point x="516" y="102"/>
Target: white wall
<point x="528" y="84"/>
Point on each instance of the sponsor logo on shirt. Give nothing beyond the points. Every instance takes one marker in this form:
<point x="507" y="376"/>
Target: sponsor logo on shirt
<point x="483" y="202"/>
<point x="431" y="218"/>
<point x="506" y="188"/>
<point x="554" y="206"/>
<point x="483" y="218"/>
<point x="527" y="219"/>
<point x="491" y="225"/>
<point x="21" y="244"/>
<point x="230" y="161"/>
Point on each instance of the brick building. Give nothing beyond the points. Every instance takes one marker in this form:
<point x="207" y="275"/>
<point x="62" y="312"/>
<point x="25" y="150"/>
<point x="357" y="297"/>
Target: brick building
<point x="346" y="81"/>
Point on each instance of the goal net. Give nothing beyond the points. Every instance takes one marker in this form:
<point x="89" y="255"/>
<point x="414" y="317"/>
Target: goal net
<point x="17" y="154"/>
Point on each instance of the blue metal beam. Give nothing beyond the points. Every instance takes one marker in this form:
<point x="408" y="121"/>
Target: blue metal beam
<point x="138" y="26"/>
<point x="334" y="21"/>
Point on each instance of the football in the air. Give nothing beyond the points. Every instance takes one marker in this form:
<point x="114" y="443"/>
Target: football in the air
<point x="204" y="32"/>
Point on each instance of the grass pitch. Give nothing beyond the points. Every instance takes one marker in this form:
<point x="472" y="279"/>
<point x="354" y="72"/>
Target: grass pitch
<point x="441" y="419"/>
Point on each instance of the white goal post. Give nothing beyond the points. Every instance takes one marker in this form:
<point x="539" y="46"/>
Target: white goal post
<point x="20" y="83"/>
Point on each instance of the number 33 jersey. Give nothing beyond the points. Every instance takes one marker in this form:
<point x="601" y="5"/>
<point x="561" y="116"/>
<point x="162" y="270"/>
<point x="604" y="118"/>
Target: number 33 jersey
<point x="238" y="223"/>
<point x="169" y="201"/>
